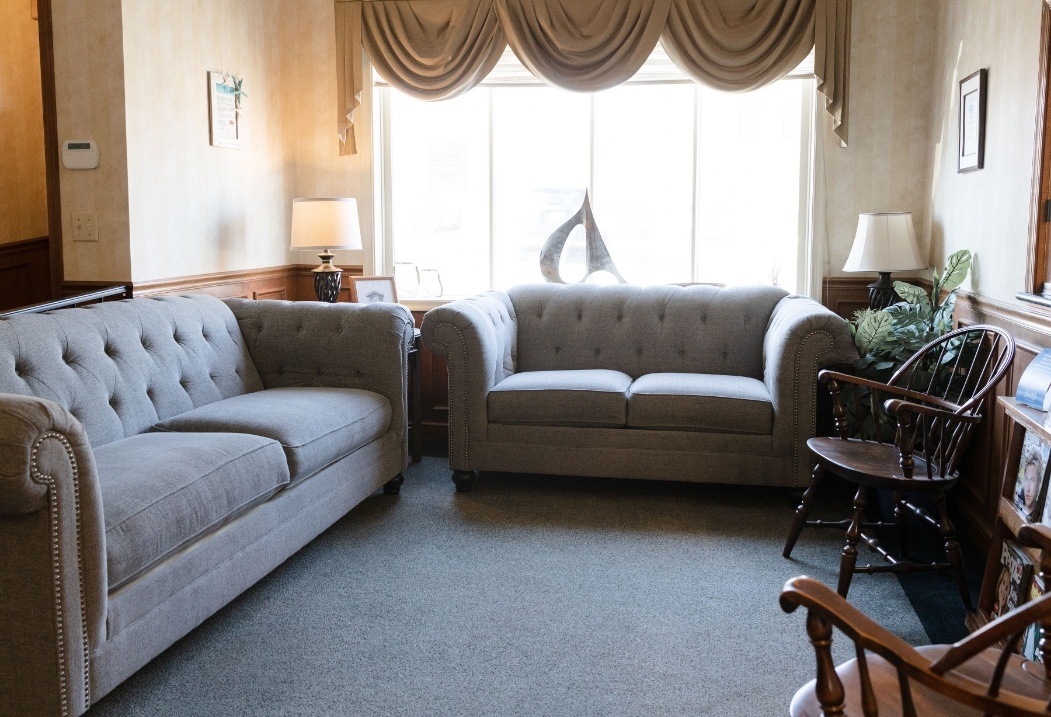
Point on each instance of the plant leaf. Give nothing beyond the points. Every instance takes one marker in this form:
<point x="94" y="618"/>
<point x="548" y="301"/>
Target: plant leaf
<point x="874" y="329"/>
<point x="911" y="293"/>
<point x="956" y="268"/>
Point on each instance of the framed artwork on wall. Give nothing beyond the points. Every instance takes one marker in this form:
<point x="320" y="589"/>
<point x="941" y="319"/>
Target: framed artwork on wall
<point x="972" y="122"/>
<point x="224" y="109"/>
<point x="373" y="290"/>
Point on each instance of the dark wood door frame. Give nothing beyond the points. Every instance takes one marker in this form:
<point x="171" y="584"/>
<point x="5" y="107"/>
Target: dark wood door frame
<point x="50" y="104"/>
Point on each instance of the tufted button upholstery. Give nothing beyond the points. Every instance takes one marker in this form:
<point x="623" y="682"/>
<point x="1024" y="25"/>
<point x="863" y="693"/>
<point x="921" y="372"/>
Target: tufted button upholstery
<point x="643" y="330"/>
<point x="119" y="361"/>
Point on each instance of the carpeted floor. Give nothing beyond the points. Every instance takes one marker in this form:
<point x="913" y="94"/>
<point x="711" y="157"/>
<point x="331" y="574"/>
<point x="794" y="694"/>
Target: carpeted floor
<point x="528" y="596"/>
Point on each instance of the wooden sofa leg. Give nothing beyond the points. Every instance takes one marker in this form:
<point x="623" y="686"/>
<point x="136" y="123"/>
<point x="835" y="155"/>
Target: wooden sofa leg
<point x="393" y="486"/>
<point x="464" y="481"/>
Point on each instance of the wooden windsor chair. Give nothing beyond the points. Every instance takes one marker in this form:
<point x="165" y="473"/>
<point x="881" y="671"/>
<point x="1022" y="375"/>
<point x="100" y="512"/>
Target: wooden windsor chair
<point x="911" y="433"/>
<point x="980" y="675"/>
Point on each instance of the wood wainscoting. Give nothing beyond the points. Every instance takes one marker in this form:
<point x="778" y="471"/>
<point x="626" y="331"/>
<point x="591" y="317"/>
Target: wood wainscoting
<point x="846" y="294"/>
<point x="25" y="273"/>
<point x="292" y="282"/>
<point x="978" y="492"/>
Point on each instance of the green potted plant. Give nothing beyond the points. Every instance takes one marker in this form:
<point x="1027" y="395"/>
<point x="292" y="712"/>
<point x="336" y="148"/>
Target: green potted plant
<point x="888" y="338"/>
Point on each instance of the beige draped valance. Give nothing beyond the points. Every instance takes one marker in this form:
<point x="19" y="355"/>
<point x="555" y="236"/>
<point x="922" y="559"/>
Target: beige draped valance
<point x="436" y="49"/>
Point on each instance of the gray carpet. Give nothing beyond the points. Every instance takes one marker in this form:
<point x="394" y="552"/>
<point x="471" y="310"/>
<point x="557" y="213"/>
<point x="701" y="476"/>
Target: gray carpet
<point x="529" y="596"/>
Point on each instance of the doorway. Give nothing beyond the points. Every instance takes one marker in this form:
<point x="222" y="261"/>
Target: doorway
<point x="30" y="218"/>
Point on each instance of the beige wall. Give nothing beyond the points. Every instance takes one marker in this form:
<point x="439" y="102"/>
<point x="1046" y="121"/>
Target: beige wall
<point x="309" y="85"/>
<point x="195" y="208"/>
<point x="169" y="203"/>
<point x="887" y="165"/>
<point x="987" y="211"/>
<point x="89" y="89"/>
<point x="23" y="193"/>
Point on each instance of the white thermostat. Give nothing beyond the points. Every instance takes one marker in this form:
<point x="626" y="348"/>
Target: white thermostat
<point x="80" y="154"/>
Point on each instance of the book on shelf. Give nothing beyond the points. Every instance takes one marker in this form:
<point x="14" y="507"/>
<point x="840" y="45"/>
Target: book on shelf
<point x="1015" y="572"/>
<point x="1034" y="388"/>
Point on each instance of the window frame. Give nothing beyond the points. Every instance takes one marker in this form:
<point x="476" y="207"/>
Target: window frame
<point x="383" y="249"/>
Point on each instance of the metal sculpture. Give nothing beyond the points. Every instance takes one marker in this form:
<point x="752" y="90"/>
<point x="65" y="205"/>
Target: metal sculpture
<point x="596" y="254"/>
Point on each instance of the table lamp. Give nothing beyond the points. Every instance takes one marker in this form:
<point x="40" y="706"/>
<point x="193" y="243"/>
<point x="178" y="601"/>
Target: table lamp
<point x="885" y="242"/>
<point x="326" y="223"/>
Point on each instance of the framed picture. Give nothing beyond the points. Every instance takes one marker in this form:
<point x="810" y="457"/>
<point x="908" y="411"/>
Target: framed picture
<point x="1031" y="480"/>
<point x="224" y="110"/>
<point x="373" y="290"/>
<point x="972" y="122"/>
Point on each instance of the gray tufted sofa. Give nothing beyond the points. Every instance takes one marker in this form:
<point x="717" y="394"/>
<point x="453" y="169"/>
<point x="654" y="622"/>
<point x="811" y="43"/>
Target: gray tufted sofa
<point x="159" y="456"/>
<point x="696" y="383"/>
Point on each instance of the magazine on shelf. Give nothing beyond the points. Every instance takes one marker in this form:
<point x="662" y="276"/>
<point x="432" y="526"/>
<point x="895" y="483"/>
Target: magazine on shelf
<point x="1031" y="481"/>
<point x="1031" y="639"/>
<point x="1034" y="388"/>
<point x="1015" y="571"/>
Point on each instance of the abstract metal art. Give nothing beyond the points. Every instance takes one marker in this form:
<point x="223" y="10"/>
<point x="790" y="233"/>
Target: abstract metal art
<point x="596" y="254"/>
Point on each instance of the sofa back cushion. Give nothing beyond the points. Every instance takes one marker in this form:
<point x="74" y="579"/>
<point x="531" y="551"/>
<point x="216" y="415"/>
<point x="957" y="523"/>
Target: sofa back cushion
<point x="119" y="367"/>
<point x="640" y="330"/>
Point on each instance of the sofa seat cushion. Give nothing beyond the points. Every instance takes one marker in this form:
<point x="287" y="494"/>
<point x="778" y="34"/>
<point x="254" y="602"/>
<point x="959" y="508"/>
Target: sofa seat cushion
<point x="163" y="491"/>
<point x="700" y="402"/>
<point x="315" y="426"/>
<point x="592" y="397"/>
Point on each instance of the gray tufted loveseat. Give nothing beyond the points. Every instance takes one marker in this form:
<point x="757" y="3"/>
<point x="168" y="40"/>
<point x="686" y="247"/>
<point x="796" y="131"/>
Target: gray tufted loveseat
<point x="159" y="456"/>
<point x="695" y="383"/>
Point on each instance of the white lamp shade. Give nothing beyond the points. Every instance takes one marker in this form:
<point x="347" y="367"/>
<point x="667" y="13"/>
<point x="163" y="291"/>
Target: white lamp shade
<point x="885" y="242"/>
<point x="325" y="223"/>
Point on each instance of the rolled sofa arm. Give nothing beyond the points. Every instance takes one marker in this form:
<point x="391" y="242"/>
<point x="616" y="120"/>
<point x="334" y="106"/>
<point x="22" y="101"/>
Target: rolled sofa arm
<point x="310" y="343"/>
<point x="801" y="338"/>
<point x="53" y="565"/>
<point x="477" y="336"/>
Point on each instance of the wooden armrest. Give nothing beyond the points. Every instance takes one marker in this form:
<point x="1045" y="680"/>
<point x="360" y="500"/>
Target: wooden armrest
<point x="1035" y="536"/>
<point x="896" y="406"/>
<point x="853" y="623"/>
<point x="826" y="375"/>
<point x="1004" y="626"/>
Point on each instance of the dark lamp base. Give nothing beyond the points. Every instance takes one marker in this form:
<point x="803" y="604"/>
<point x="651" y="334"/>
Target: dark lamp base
<point x="881" y="292"/>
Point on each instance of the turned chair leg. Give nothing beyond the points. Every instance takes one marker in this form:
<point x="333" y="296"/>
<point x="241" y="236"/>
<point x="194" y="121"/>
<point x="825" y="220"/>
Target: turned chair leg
<point x="803" y="512"/>
<point x="901" y="523"/>
<point x="393" y="486"/>
<point x="952" y="550"/>
<point x="849" y="558"/>
<point x="464" y="481"/>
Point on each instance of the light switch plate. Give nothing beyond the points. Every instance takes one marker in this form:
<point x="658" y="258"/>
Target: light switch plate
<point x="85" y="227"/>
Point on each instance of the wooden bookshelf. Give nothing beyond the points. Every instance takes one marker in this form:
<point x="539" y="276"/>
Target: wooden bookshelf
<point x="1008" y="519"/>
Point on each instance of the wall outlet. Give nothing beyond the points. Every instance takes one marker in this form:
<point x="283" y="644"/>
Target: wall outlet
<point x="85" y="227"/>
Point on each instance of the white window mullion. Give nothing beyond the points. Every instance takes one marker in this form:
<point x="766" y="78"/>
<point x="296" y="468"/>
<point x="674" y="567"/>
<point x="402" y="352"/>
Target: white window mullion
<point x="695" y="209"/>
<point x="492" y="221"/>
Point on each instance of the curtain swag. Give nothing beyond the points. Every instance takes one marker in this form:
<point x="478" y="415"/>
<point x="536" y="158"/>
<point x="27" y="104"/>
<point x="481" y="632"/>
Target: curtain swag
<point x="437" y="49"/>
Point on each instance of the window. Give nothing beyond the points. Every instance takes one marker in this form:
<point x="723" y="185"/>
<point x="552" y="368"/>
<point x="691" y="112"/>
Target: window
<point x="686" y="183"/>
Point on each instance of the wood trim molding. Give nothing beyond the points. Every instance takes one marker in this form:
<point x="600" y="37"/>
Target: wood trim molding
<point x="293" y="282"/>
<point x="25" y="245"/>
<point x="45" y="30"/>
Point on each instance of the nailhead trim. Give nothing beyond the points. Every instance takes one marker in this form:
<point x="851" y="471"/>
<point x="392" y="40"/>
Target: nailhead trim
<point x="446" y="348"/>
<point x="795" y="398"/>
<point x="56" y="566"/>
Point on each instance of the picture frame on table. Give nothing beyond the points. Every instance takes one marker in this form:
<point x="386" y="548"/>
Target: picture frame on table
<point x="373" y="290"/>
<point x="971" y="151"/>
<point x="1031" y="480"/>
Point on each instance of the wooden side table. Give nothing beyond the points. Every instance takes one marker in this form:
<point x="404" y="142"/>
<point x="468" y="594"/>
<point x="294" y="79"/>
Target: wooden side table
<point x="415" y="421"/>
